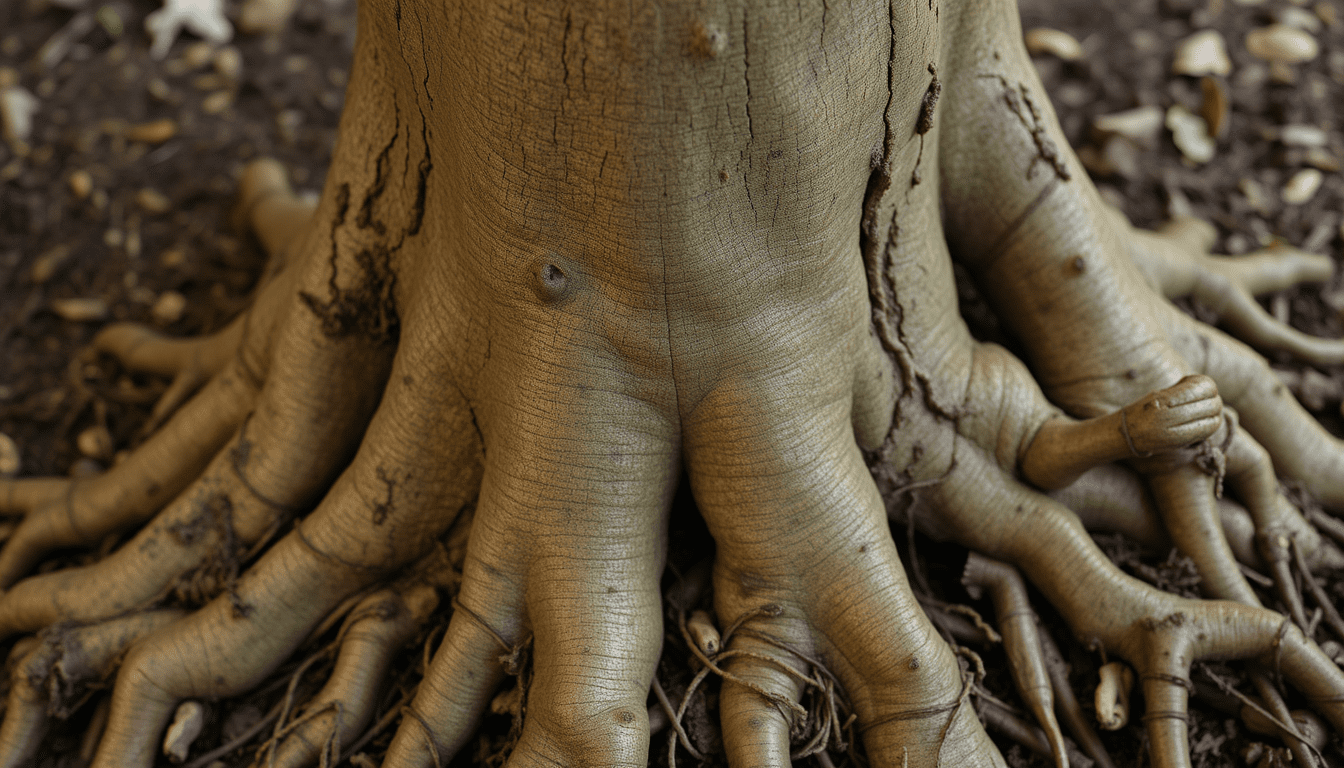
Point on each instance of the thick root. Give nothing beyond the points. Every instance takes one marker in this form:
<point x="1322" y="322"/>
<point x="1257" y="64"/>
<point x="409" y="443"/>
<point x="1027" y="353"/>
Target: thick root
<point x="56" y="676"/>
<point x="1017" y="625"/>
<point x="374" y="632"/>
<point x="1158" y="633"/>
<point x="1177" y="262"/>
<point x="132" y="491"/>
<point x="358" y="533"/>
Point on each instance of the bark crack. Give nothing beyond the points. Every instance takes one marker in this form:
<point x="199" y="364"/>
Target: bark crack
<point x="746" y="74"/>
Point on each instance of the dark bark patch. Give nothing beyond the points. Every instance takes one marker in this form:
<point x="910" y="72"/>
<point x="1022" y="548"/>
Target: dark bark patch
<point x="383" y="508"/>
<point x="369" y="309"/>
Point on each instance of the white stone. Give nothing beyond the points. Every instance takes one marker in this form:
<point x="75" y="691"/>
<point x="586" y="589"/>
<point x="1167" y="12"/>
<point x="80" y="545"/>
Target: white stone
<point x="1190" y="134"/>
<point x="1203" y="53"/>
<point x="204" y="18"/>
<point x="17" y="107"/>
<point x="1299" y="135"/>
<point x="1140" y="124"/>
<point x="168" y="308"/>
<point x="187" y="724"/>
<point x="1043" y="40"/>
<point x="1302" y="186"/>
<point x="1282" y="44"/>
<point x="1300" y="18"/>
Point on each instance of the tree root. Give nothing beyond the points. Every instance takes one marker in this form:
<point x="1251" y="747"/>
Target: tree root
<point x="53" y="679"/>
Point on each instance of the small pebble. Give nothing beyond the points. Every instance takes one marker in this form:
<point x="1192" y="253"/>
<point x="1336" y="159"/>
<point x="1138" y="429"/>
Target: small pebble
<point x="1203" y="53"/>
<point x="186" y="726"/>
<point x="132" y="242"/>
<point x="1320" y="157"/>
<point x="168" y="308"/>
<point x="152" y="200"/>
<point x="80" y="310"/>
<point x="173" y="257"/>
<point x="287" y="123"/>
<point x="1282" y="44"/>
<point x="159" y="89"/>
<point x="17" y="107"/>
<point x="229" y="63"/>
<point x="1300" y="18"/>
<point x="10" y="463"/>
<point x="197" y="55"/>
<point x="1141" y="124"/>
<point x="1327" y="13"/>
<point x="95" y="442"/>
<point x="153" y="132"/>
<point x="265" y="16"/>
<point x="216" y="102"/>
<point x="1042" y="41"/>
<point x="1299" y="135"/>
<point x="209" y="82"/>
<point x="1302" y="186"/>
<point x="50" y="260"/>
<point x="81" y="184"/>
<point x="1190" y="133"/>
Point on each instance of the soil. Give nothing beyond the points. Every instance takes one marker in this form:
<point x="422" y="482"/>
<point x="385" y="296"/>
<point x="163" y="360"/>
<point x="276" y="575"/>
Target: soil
<point x="150" y="239"/>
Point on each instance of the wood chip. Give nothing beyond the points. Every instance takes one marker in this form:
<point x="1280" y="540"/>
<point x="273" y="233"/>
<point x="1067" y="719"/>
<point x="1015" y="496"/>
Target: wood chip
<point x="216" y="102"/>
<point x="1045" y="41"/>
<point x="152" y="200"/>
<point x="1280" y="43"/>
<point x="153" y="132"/>
<point x="1203" y="53"/>
<point x="1216" y="106"/>
<point x="80" y="310"/>
<point x="50" y="260"/>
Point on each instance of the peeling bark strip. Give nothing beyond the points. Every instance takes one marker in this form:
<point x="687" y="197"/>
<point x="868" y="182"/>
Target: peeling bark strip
<point x="925" y="122"/>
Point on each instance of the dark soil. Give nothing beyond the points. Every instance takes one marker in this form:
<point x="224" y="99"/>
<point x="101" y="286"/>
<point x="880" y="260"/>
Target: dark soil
<point x="130" y="248"/>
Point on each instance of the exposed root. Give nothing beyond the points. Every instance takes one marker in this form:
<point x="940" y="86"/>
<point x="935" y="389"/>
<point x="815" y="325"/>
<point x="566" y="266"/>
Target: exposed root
<point x="67" y="666"/>
<point x="1176" y="261"/>
<point x="1017" y="623"/>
